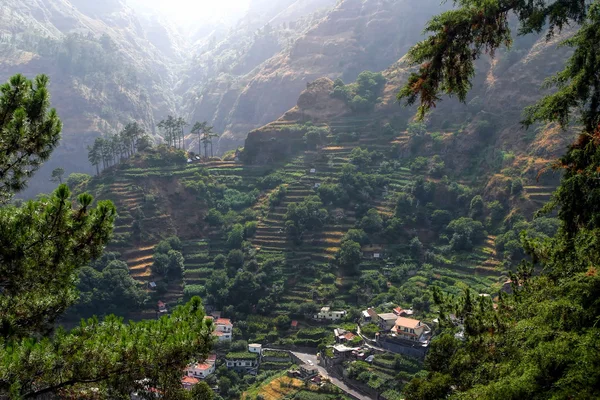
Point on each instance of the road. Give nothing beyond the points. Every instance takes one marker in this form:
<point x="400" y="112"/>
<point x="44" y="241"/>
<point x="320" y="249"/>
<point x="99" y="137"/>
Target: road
<point x="313" y="358"/>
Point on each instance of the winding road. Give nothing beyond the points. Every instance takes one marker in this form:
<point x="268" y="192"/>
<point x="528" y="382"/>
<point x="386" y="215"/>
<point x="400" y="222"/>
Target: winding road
<point x="311" y="358"/>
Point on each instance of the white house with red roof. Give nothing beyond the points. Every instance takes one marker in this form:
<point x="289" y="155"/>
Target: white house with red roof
<point x="224" y="329"/>
<point x="409" y="329"/>
<point x="188" y="382"/>
<point x="200" y="370"/>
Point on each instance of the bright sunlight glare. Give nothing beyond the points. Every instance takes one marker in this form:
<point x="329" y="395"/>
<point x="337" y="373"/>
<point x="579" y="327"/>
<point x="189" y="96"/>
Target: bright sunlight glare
<point x="187" y="11"/>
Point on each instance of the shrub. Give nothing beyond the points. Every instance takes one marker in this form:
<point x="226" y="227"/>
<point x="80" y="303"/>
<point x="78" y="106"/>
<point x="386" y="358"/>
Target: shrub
<point x="75" y="179"/>
<point x="214" y="217"/>
<point x="250" y="229"/>
<point x="194" y="290"/>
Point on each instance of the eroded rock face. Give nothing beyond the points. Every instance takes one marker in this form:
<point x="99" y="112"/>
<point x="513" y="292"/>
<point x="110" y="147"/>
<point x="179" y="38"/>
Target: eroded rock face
<point x="277" y="140"/>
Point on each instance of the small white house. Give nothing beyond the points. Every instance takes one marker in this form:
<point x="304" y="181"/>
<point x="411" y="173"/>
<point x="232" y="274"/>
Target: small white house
<point x="327" y="314"/>
<point x="223" y="328"/>
<point x="255" y="348"/>
<point x="242" y="361"/>
<point x="313" y="171"/>
<point x="200" y="370"/>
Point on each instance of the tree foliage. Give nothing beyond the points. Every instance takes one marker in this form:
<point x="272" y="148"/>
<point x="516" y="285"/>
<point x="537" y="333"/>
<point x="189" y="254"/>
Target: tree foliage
<point x="541" y="341"/>
<point x="43" y="246"/>
<point x="30" y="131"/>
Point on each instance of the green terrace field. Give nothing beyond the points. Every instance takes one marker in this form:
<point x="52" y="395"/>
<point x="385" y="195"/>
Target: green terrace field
<point x="156" y="202"/>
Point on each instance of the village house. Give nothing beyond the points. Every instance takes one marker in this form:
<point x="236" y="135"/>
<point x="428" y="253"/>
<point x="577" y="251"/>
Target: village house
<point x="327" y="314"/>
<point x="308" y="371"/>
<point x="200" y="370"/>
<point x="343" y="336"/>
<point x="188" y="382"/>
<point x="255" y="348"/>
<point x="242" y="361"/>
<point x="197" y="371"/>
<point x="223" y="328"/>
<point x="409" y="329"/>
<point x="370" y="315"/>
<point x="401" y="312"/>
<point x="386" y="321"/>
<point x="372" y="251"/>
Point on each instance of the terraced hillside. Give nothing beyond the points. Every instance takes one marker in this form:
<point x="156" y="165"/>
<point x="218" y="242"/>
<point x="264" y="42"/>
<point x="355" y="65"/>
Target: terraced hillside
<point x="399" y="201"/>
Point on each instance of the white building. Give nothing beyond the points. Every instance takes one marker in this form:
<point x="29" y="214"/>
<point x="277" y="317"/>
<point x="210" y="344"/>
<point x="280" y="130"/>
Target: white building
<point x="327" y="314"/>
<point x="223" y="328"/>
<point x="242" y="361"/>
<point x="255" y="348"/>
<point x="200" y="370"/>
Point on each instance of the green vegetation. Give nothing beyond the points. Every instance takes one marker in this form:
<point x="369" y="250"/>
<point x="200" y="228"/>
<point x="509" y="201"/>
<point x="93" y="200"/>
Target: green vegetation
<point x="362" y="95"/>
<point x="524" y="347"/>
<point x="45" y="243"/>
<point x="241" y="355"/>
<point x="117" y="148"/>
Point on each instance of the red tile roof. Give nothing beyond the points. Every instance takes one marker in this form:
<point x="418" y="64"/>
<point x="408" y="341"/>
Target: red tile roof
<point x="189" y="380"/>
<point x="223" y="321"/>
<point x="407" y="322"/>
<point x="349" y="336"/>
<point x="203" y="366"/>
<point x="212" y="357"/>
<point x="294" y="324"/>
<point x="218" y="333"/>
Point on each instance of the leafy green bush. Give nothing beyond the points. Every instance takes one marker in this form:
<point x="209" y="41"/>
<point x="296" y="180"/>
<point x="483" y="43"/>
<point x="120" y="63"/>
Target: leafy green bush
<point x="194" y="290"/>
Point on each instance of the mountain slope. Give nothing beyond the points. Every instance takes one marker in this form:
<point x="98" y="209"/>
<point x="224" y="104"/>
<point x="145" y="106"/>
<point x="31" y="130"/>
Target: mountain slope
<point x="482" y="139"/>
<point x="354" y="36"/>
<point x="103" y="70"/>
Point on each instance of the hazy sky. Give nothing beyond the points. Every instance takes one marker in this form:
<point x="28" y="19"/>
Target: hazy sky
<point x="187" y="11"/>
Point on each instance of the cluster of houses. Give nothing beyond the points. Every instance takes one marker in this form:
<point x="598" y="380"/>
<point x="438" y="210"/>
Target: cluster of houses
<point x="399" y="325"/>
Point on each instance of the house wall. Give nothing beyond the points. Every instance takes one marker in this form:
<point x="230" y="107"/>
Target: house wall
<point x="403" y="347"/>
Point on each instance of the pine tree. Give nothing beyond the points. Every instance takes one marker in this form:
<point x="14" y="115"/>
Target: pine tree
<point x="198" y="129"/>
<point x="57" y="175"/>
<point x="94" y="156"/>
<point x="30" y="131"/>
<point x="43" y="245"/>
<point x="525" y="347"/>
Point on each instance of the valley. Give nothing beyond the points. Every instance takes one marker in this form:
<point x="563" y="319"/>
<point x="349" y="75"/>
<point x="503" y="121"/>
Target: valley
<point x="280" y="209"/>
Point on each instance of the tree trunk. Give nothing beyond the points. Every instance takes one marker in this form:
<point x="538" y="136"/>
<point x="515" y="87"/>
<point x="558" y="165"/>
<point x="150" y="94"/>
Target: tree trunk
<point x="97" y="169"/>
